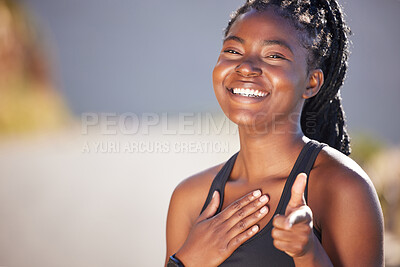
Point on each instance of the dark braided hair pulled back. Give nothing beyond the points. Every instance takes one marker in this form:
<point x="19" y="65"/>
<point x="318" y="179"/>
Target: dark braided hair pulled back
<point x="324" y="33"/>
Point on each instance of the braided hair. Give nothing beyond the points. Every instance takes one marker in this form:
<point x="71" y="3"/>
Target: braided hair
<point x="325" y="35"/>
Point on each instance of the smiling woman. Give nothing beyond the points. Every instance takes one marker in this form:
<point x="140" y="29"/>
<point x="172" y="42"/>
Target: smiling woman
<point x="290" y="196"/>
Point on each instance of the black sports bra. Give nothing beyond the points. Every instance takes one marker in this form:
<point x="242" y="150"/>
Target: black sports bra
<point x="259" y="249"/>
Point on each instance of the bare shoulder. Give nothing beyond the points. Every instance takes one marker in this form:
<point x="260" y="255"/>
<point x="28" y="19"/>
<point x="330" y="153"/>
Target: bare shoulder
<point x="191" y="193"/>
<point x="346" y="210"/>
<point x="336" y="171"/>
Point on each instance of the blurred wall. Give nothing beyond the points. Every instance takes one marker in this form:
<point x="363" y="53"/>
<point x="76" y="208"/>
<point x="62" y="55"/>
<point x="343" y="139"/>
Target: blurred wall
<point x="158" y="55"/>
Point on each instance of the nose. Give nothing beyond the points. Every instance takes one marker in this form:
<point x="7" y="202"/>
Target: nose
<point x="248" y="68"/>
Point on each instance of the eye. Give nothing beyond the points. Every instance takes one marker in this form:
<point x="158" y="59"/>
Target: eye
<point x="276" y="56"/>
<point x="231" y="51"/>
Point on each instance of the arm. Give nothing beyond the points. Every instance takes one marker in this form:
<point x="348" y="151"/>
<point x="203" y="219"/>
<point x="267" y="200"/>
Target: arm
<point x="349" y="215"/>
<point x="353" y="224"/>
<point x="178" y="222"/>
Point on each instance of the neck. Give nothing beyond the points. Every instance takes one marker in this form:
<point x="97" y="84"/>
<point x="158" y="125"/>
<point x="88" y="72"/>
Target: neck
<point x="268" y="155"/>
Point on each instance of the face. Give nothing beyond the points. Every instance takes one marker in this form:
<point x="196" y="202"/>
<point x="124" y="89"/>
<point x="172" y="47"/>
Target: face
<point x="262" y="76"/>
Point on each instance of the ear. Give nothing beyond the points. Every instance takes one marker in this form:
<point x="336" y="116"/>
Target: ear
<point x="315" y="81"/>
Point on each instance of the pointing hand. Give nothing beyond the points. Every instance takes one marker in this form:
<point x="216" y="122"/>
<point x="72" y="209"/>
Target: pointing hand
<point x="293" y="232"/>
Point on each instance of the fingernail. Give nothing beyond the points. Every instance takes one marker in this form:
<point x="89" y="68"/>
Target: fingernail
<point x="263" y="210"/>
<point x="257" y="193"/>
<point x="254" y="228"/>
<point x="304" y="177"/>
<point x="263" y="198"/>
<point x="215" y="193"/>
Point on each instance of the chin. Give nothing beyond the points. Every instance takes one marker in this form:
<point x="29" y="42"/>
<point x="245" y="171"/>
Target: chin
<point x="248" y="119"/>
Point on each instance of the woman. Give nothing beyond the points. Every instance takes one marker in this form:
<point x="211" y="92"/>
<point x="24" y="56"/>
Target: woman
<point x="283" y="199"/>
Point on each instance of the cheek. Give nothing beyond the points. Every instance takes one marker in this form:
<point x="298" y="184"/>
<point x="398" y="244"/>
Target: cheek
<point x="288" y="87"/>
<point x="220" y="72"/>
<point x="288" y="81"/>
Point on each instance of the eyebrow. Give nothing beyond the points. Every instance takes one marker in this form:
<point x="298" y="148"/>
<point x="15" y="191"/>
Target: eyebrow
<point x="234" y="38"/>
<point x="277" y="42"/>
<point x="265" y="42"/>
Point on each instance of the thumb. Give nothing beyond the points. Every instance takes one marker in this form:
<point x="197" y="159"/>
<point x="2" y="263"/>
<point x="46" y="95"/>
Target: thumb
<point x="211" y="208"/>
<point x="299" y="186"/>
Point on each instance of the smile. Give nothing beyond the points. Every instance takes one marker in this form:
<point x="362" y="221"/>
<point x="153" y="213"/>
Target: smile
<point x="247" y="92"/>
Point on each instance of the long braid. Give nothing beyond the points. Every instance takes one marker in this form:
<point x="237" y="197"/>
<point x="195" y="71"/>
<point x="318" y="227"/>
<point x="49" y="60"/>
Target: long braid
<point x="322" y="116"/>
<point x="330" y="120"/>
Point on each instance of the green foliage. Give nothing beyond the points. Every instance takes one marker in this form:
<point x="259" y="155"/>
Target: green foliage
<point x="364" y="146"/>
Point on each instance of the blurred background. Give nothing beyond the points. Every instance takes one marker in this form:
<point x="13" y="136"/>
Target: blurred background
<point x="105" y="106"/>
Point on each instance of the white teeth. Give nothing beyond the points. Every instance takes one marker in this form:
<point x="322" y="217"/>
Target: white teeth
<point x="248" y="92"/>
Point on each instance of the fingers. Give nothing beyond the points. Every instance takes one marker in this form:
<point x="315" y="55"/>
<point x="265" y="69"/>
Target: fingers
<point x="281" y="222"/>
<point x="294" y="240"/>
<point x="301" y="215"/>
<point x="293" y="249"/>
<point x="236" y="206"/>
<point x="238" y="220"/>
<point x="211" y="208"/>
<point x="241" y="238"/>
<point x="281" y="225"/>
<point x="297" y="198"/>
<point x="247" y="216"/>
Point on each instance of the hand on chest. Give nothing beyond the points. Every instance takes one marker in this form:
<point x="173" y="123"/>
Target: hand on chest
<point x="273" y="188"/>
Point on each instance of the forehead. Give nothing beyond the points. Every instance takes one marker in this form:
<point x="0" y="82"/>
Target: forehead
<point x="264" y="25"/>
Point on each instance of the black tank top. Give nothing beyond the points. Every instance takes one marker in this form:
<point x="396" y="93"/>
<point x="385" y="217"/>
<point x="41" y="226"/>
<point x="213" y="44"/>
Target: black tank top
<point x="259" y="249"/>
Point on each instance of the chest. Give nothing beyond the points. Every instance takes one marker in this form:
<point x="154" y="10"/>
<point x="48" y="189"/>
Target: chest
<point x="272" y="188"/>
